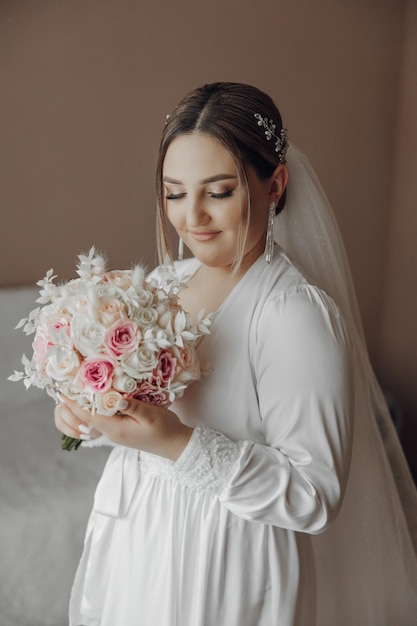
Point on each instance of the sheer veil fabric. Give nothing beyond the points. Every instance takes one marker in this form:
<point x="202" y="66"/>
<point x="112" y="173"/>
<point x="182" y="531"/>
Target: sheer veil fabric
<point x="366" y="562"/>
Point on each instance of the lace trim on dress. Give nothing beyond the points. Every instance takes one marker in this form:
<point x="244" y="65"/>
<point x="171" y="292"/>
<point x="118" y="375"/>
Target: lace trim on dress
<point x="205" y="465"/>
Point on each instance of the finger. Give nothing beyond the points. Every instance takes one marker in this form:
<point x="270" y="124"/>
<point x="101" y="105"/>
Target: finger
<point x="107" y="423"/>
<point x="140" y="411"/>
<point x="83" y="415"/>
<point x="68" y="422"/>
<point x="114" y="426"/>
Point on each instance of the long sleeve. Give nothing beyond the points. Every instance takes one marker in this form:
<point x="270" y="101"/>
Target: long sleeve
<point x="302" y="366"/>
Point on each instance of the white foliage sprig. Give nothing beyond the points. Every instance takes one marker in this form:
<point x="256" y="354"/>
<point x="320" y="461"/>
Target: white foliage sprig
<point x="48" y="289"/>
<point x="91" y="266"/>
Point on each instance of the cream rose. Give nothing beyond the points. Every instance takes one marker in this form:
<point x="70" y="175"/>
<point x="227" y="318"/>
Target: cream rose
<point x="62" y="363"/>
<point x="108" y="403"/>
<point x="120" y="278"/>
<point x="110" y="310"/>
<point x="189" y="367"/>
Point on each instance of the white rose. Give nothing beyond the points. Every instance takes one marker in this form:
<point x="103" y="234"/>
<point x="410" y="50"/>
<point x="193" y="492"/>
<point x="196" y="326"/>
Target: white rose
<point x="124" y="383"/>
<point x="144" y="297"/>
<point x="138" y="300"/>
<point x="62" y="363"/>
<point x="78" y="303"/>
<point x="87" y="335"/>
<point x="107" y="289"/>
<point x="139" y="364"/>
<point x="73" y="392"/>
<point x="146" y="317"/>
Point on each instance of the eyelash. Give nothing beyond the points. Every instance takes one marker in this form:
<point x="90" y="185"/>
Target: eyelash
<point x="224" y="194"/>
<point x="174" y="196"/>
<point x="218" y="196"/>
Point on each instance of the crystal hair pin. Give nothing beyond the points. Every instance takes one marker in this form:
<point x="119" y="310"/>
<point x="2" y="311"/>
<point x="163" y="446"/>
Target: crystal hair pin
<point x="281" y="141"/>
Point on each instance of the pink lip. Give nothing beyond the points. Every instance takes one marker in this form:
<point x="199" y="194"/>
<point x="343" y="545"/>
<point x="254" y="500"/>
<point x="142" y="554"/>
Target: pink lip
<point x="204" y="235"/>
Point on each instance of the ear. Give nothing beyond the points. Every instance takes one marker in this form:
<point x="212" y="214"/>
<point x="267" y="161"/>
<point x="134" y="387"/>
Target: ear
<point x="278" y="182"/>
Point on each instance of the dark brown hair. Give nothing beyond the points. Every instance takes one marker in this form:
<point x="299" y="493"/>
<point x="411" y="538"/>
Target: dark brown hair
<point x="226" y="112"/>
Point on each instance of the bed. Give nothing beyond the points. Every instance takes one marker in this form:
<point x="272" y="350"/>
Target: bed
<point x="45" y="493"/>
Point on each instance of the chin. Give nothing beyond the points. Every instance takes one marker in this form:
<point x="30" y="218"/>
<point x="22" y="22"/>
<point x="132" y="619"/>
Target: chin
<point x="212" y="259"/>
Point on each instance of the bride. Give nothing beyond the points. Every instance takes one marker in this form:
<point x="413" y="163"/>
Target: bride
<point x="275" y="492"/>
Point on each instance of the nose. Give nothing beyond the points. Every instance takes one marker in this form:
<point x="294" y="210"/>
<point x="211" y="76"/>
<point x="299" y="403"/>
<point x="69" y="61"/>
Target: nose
<point x="196" y="214"/>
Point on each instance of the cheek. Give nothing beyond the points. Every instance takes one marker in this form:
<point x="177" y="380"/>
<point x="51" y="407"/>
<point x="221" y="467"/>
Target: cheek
<point x="173" y="217"/>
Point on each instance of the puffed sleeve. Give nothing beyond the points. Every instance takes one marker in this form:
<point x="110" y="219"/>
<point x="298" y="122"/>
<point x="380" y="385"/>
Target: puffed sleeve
<point x="303" y="371"/>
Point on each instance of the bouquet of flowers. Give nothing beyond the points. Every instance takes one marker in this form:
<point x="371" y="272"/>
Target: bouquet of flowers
<point x="108" y="335"/>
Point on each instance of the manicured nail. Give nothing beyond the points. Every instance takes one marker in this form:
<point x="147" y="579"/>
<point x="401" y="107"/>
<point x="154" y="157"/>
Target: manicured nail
<point x="85" y="437"/>
<point x="85" y="429"/>
<point x="59" y="396"/>
<point x="122" y="404"/>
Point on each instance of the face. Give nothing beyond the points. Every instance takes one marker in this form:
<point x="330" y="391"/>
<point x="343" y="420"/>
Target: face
<point x="206" y="203"/>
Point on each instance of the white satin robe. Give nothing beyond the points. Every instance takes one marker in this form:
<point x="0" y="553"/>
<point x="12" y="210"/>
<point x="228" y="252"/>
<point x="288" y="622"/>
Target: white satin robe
<point x="222" y="536"/>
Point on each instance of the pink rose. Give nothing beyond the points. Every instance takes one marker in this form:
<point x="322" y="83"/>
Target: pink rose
<point x="96" y="373"/>
<point x="44" y="337"/>
<point x="147" y="392"/>
<point x="166" y="369"/>
<point x="61" y="323"/>
<point x="41" y="343"/>
<point x="122" y="337"/>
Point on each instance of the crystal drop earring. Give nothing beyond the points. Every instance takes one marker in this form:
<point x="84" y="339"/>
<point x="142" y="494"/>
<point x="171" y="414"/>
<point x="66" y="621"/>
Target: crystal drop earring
<point x="180" y="249"/>
<point x="269" y="244"/>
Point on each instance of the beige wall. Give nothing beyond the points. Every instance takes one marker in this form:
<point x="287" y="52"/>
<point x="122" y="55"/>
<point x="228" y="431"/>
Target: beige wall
<point x="86" y="86"/>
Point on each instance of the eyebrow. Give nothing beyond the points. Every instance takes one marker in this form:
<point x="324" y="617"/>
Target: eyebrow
<point x="205" y="181"/>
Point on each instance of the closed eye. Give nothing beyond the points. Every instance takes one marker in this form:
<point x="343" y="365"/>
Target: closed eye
<point x="224" y="194"/>
<point x="218" y="196"/>
<point x="174" y="196"/>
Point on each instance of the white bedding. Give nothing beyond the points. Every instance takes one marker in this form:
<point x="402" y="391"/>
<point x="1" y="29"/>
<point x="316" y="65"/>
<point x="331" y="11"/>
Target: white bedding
<point x="45" y="493"/>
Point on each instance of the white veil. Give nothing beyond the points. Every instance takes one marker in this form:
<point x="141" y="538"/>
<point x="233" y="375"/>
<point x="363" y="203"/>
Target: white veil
<point x="366" y="561"/>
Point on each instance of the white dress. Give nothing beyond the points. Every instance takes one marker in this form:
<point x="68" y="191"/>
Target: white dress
<point x="222" y="537"/>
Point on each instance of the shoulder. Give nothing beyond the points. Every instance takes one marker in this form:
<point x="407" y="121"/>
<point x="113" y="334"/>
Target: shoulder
<point x="288" y="287"/>
<point x="294" y="306"/>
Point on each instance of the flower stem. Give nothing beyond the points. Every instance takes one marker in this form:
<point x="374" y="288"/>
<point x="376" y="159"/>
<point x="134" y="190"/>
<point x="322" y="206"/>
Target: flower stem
<point x="69" y="443"/>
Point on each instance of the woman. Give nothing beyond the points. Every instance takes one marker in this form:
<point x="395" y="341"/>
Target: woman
<point x="222" y="520"/>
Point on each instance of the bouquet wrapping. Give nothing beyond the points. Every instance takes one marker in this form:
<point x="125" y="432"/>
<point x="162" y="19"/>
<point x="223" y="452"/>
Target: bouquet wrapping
<point x="109" y="335"/>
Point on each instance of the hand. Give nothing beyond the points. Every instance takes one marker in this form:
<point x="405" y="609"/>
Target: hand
<point x="142" y="425"/>
<point x="72" y="420"/>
